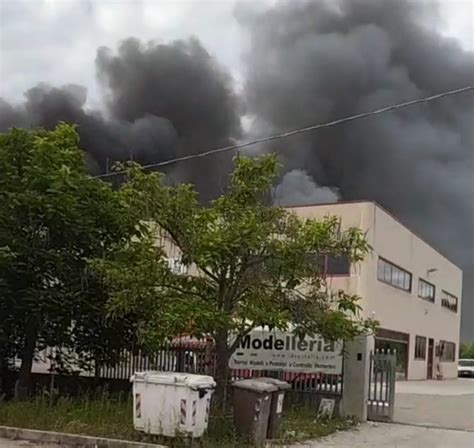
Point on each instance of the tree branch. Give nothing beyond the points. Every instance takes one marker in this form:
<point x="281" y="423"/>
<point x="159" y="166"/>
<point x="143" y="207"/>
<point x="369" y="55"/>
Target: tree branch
<point x="179" y="243"/>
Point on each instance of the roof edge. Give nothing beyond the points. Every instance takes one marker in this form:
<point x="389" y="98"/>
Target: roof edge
<point x="394" y="217"/>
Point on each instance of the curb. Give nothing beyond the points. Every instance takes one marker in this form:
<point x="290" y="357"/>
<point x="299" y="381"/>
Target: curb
<point x="66" y="440"/>
<point x="432" y="426"/>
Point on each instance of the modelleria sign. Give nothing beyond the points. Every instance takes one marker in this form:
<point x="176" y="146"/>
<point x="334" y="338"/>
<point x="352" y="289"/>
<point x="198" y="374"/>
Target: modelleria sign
<point x="276" y="350"/>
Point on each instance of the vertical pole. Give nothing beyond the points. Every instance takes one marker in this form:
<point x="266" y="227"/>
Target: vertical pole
<point x="357" y="376"/>
<point x="376" y="375"/>
<point x="392" y="384"/>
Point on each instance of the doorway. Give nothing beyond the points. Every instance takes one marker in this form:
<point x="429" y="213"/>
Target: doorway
<point x="429" y="373"/>
<point x="395" y="340"/>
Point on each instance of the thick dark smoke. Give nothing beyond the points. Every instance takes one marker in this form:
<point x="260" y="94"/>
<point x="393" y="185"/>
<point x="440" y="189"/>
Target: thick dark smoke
<point x="308" y="62"/>
<point x="162" y="101"/>
<point x="311" y="62"/>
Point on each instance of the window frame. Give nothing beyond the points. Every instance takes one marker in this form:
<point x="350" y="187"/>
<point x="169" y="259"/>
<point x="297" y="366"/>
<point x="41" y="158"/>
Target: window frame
<point x="443" y="355"/>
<point x="390" y="282"/>
<point x="417" y="351"/>
<point x="333" y="260"/>
<point x="322" y="261"/>
<point x="445" y="297"/>
<point x="429" y="299"/>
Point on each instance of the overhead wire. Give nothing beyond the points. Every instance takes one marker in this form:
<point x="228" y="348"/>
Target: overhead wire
<point x="298" y="131"/>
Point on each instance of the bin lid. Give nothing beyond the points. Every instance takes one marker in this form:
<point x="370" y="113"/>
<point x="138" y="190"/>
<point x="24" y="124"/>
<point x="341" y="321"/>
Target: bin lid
<point x="254" y="385"/>
<point x="281" y="385"/>
<point x="175" y="378"/>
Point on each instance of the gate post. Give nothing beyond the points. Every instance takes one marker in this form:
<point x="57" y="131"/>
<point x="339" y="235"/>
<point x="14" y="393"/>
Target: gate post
<point x="355" y="392"/>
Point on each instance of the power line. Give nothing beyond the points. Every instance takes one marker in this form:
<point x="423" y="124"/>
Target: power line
<point x="300" y="130"/>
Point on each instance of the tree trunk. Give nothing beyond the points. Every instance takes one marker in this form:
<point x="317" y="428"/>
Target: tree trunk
<point x="2" y="372"/>
<point x="23" y="385"/>
<point x="222" y="371"/>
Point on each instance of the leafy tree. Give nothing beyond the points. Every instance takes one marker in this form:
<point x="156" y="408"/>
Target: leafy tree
<point x="250" y="264"/>
<point x="466" y="350"/>
<point x="53" y="218"/>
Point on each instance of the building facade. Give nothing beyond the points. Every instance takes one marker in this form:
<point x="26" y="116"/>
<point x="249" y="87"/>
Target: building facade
<point x="412" y="290"/>
<point x="405" y="284"/>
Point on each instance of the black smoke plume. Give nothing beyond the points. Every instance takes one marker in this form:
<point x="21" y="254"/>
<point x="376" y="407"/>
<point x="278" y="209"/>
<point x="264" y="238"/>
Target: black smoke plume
<point x="312" y="62"/>
<point x="308" y="62"/>
<point x="162" y="101"/>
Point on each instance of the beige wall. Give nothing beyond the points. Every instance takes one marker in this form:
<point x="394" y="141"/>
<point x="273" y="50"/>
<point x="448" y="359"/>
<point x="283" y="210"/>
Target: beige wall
<point x="395" y="309"/>
<point x="352" y="215"/>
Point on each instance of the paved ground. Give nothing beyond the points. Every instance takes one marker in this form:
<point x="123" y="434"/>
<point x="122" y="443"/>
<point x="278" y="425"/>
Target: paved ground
<point x="5" y="443"/>
<point x="441" y="404"/>
<point x="460" y="386"/>
<point x="387" y="435"/>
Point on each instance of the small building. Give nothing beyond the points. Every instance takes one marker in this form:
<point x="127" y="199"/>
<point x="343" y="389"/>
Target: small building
<point x="406" y="285"/>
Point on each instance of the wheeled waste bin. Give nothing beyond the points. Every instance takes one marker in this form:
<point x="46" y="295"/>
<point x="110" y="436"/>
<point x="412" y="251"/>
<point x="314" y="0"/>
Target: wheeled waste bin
<point x="276" y="406"/>
<point x="252" y="401"/>
<point x="171" y="404"/>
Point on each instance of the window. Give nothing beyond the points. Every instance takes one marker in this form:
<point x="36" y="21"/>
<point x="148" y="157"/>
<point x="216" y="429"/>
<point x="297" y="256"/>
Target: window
<point x="331" y="264"/>
<point x="466" y="362"/>
<point x="426" y="290"/>
<point x="393" y="275"/>
<point x="420" y="347"/>
<point x="447" y="351"/>
<point x="325" y="264"/>
<point x="337" y="265"/>
<point x="449" y="301"/>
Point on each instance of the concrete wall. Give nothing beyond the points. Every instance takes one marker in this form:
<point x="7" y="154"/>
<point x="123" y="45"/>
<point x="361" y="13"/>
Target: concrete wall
<point x="356" y="377"/>
<point x="405" y="311"/>
<point x="352" y="215"/>
<point x="394" y="308"/>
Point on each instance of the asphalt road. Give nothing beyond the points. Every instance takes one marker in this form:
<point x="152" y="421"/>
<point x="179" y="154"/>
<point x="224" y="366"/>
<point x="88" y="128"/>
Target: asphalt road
<point x="389" y="435"/>
<point x="5" y="443"/>
<point x="440" y="404"/>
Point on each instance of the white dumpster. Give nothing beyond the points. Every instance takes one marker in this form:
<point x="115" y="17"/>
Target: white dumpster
<point x="171" y="404"/>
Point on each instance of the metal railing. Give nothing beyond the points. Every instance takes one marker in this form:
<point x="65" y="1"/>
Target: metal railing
<point x="382" y="375"/>
<point x="201" y="359"/>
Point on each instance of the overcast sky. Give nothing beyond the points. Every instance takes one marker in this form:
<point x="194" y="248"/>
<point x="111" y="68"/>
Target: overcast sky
<point x="55" y="41"/>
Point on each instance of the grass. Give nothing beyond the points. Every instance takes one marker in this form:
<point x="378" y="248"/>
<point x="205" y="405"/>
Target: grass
<point x="303" y="424"/>
<point x="105" y="415"/>
<point x="102" y="416"/>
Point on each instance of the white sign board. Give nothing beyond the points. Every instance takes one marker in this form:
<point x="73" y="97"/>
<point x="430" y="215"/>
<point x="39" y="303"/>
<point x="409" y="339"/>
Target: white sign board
<point x="326" y="407"/>
<point x="276" y="350"/>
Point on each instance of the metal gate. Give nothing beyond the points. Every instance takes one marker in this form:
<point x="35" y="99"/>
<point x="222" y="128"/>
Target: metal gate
<point x="381" y="402"/>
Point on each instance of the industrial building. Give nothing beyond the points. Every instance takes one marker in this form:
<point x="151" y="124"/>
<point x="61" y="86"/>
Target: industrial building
<point x="412" y="290"/>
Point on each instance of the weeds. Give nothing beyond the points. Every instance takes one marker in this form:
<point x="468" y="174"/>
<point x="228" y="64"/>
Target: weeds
<point x="107" y="415"/>
<point x="103" y="415"/>
<point x="303" y="424"/>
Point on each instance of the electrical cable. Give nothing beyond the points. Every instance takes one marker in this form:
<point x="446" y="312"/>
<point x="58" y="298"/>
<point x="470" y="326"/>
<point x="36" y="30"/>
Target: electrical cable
<point x="298" y="131"/>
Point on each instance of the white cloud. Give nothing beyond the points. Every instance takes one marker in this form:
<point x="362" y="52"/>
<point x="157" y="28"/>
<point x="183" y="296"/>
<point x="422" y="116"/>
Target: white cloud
<point x="457" y="20"/>
<point x="55" y="40"/>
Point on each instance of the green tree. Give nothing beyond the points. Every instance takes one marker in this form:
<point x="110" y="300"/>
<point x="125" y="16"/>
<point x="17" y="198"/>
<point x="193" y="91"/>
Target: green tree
<point x="53" y="218"/>
<point x="251" y="264"/>
<point x="466" y="350"/>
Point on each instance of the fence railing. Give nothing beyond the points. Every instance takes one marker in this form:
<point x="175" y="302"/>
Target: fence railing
<point x="190" y="356"/>
<point x="381" y="400"/>
<point x="201" y="360"/>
